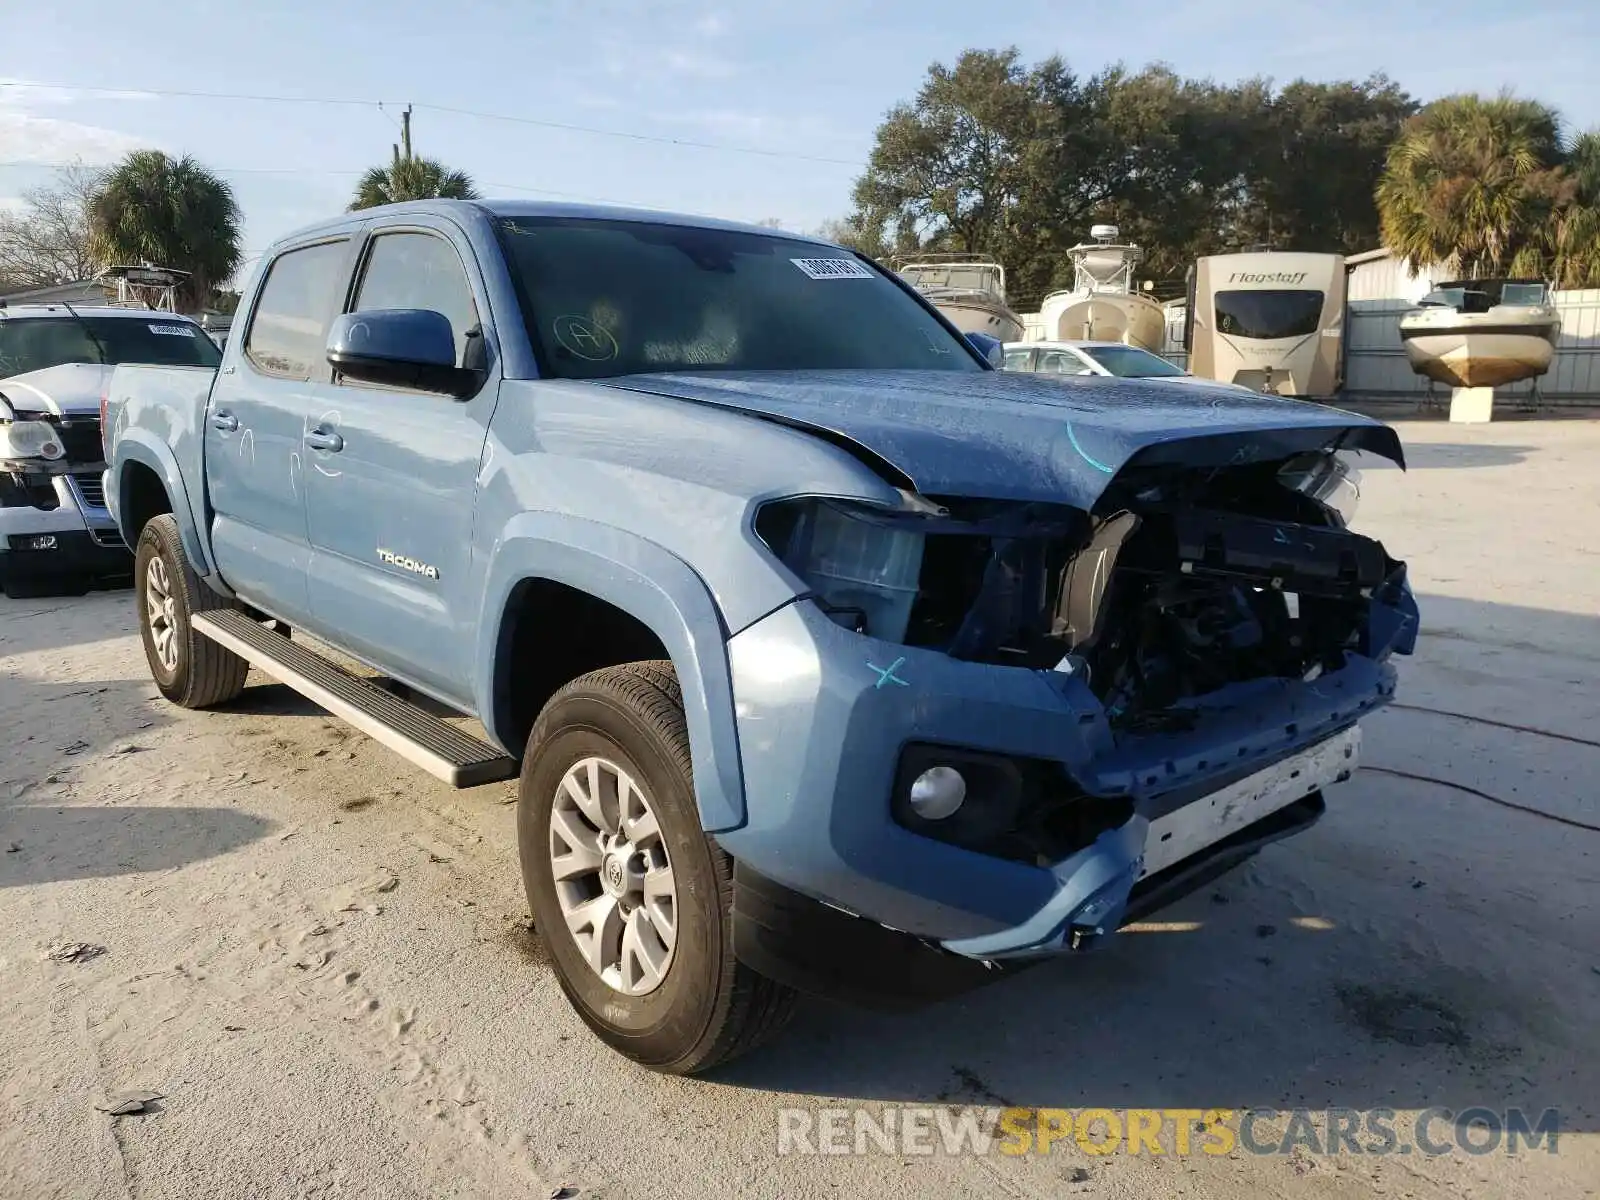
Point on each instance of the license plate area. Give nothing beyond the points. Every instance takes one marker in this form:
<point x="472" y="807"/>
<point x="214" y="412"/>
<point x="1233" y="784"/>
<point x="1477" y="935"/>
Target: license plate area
<point x="40" y="541"/>
<point x="1188" y="830"/>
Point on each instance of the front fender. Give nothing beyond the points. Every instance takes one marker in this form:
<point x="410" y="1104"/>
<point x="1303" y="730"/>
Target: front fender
<point x="135" y="445"/>
<point x="656" y="588"/>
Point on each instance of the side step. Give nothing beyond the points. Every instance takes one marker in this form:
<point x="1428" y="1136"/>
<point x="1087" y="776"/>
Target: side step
<point x="415" y="734"/>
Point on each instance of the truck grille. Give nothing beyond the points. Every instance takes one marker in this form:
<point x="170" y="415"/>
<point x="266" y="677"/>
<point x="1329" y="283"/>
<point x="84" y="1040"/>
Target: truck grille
<point x="80" y="438"/>
<point x="90" y="488"/>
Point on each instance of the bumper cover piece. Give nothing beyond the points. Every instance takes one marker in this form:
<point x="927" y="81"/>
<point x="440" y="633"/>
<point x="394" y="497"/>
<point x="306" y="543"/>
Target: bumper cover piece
<point x="77" y="552"/>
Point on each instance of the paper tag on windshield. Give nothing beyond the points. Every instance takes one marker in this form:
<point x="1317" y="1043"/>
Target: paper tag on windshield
<point x="832" y="268"/>
<point x="173" y="330"/>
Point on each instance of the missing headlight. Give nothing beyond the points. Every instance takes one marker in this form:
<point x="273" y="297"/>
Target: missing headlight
<point x="1328" y="478"/>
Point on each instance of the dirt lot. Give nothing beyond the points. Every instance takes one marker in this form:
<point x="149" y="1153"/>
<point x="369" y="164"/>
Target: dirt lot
<point x="320" y="959"/>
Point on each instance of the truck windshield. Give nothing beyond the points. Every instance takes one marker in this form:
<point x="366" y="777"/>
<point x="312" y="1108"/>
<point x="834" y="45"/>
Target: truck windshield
<point x="1270" y="314"/>
<point x="603" y="298"/>
<point x="34" y="343"/>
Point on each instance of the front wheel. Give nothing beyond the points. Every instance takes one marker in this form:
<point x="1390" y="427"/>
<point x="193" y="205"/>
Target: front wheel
<point x="631" y="898"/>
<point x="189" y="669"/>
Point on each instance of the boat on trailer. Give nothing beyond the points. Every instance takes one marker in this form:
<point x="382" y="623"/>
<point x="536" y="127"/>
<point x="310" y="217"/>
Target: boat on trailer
<point x="969" y="290"/>
<point x="1103" y="305"/>
<point x="1482" y="333"/>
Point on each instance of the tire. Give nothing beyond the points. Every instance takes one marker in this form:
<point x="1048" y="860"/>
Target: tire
<point x="190" y="670"/>
<point x="704" y="1007"/>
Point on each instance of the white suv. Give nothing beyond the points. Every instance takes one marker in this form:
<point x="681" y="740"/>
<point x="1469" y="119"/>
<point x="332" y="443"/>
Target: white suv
<point x="55" y="361"/>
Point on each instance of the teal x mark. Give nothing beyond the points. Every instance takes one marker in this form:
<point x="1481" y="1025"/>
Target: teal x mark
<point x="887" y="674"/>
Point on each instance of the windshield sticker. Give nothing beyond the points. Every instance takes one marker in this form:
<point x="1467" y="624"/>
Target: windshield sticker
<point x="173" y="330"/>
<point x="587" y="339"/>
<point x="832" y="268"/>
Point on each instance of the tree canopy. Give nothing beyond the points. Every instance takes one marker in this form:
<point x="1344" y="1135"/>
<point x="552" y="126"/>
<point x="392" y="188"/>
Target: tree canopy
<point x="411" y="178"/>
<point x="171" y="212"/>
<point x="998" y="157"/>
<point x="1487" y="186"/>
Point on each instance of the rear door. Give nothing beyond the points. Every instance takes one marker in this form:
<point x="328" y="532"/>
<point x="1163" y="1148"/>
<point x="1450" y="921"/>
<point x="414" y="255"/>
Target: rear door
<point x="255" y="427"/>
<point x="390" y="508"/>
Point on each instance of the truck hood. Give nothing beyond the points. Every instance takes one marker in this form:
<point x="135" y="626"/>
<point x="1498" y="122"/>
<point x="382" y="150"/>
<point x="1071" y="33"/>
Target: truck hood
<point x="69" y="390"/>
<point x="994" y="435"/>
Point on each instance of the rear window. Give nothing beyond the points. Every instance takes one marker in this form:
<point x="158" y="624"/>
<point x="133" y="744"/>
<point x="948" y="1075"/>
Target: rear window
<point x="289" y="325"/>
<point x="161" y="340"/>
<point x="1269" y="314"/>
<point x="1128" y="362"/>
<point x="605" y="298"/>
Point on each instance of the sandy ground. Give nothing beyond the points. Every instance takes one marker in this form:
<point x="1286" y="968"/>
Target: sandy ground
<point x="320" y="958"/>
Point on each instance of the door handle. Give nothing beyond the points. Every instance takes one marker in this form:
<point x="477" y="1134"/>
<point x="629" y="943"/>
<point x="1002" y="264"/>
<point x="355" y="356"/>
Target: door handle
<point x="224" y="421"/>
<point x="325" y="439"/>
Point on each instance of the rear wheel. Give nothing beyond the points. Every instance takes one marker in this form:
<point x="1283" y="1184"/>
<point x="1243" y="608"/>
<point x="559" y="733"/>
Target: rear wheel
<point x="631" y="898"/>
<point x="189" y="669"/>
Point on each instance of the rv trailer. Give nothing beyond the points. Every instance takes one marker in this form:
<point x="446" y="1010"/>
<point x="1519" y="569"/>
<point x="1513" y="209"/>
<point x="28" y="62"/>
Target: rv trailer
<point x="1271" y="321"/>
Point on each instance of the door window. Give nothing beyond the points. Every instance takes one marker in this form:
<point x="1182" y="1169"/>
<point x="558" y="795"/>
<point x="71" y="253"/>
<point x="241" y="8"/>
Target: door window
<point x="289" y="327"/>
<point x="1059" y="362"/>
<point x="419" y="270"/>
<point x="1017" y="360"/>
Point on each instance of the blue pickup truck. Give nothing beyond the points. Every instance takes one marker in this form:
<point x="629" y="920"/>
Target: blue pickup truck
<point x="828" y="657"/>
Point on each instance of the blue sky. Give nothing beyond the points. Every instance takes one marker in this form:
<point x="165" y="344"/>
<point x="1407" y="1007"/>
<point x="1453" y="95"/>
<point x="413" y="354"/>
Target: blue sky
<point x="804" y="82"/>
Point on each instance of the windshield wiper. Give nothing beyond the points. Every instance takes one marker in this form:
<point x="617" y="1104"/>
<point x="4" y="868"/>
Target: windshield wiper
<point x="88" y="329"/>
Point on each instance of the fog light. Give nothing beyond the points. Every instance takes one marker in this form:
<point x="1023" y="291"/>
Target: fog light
<point x="937" y="793"/>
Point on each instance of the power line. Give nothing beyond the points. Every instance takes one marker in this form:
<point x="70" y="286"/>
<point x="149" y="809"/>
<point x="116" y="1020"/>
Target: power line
<point x="641" y="137"/>
<point x="508" y="187"/>
<point x="478" y="114"/>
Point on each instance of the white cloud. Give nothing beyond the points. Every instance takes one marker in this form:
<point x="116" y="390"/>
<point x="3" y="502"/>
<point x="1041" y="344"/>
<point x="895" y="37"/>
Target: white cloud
<point x="638" y="63"/>
<point x="711" y="25"/>
<point x="21" y="93"/>
<point x="25" y="138"/>
<point x="9" y="204"/>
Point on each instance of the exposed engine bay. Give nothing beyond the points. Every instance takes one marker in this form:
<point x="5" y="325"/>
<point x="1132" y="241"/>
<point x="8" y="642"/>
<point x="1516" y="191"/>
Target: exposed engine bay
<point x="1183" y="581"/>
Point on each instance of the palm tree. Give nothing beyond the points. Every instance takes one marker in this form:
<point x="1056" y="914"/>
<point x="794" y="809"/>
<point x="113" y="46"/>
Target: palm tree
<point x="1578" y="231"/>
<point x="1473" y="184"/>
<point x="170" y="212"/>
<point x="412" y="179"/>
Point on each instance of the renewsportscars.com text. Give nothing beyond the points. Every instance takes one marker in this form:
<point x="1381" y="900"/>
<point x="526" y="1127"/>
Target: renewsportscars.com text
<point x="1178" y="1132"/>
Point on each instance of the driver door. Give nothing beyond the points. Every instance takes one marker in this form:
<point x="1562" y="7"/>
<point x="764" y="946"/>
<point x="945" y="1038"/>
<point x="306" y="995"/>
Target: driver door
<point x="391" y="478"/>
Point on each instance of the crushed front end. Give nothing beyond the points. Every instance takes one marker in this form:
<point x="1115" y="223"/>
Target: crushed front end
<point x="54" y="524"/>
<point x="999" y="730"/>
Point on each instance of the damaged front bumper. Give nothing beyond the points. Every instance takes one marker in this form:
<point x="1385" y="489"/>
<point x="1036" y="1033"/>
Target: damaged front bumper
<point x="826" y="716"/>
<point x="54" y="523"/>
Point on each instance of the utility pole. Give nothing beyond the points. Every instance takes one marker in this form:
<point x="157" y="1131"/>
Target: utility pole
<point x="405" y="130"/>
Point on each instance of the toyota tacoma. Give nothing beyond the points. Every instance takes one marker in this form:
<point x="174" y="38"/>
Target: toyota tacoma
<point x="828" y="658"/>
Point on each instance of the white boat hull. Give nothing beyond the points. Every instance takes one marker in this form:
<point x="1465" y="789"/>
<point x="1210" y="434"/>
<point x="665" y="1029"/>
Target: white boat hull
<point x="1489" y="349"/>
<point x="1130" y="319"/>
<point x="971" y="315"/>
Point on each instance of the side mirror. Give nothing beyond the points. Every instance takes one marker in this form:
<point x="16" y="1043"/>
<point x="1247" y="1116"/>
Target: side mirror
<point x="989" y="348"/>
<point x="401" y="347"/>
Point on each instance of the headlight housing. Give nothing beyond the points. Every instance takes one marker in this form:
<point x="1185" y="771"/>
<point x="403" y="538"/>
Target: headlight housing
<point x="864" y="573"/>
<point x="1329" y="479"/>
<point x="30" y="439"/>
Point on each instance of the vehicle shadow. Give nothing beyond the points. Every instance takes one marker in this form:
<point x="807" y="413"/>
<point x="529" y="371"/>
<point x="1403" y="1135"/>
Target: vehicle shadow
<point x="50" y="622"/>
<point x="60" y="742"/>
<point x="1432" y="456"/>
<point x="1226" y="1003"/>
<point x="42" y="843"/>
